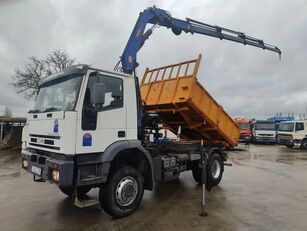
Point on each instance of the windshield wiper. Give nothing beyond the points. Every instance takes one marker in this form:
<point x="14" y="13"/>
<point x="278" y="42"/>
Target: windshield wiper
<point x="51" y="109"/>
<point x="34" y="111"/>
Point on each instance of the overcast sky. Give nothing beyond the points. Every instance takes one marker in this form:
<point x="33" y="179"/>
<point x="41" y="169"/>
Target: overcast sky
<point x="245" y="80"/>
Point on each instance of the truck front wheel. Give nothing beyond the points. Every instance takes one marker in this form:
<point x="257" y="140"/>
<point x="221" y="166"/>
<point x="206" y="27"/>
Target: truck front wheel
<point x="122" y="193"/>
<point x="304" y="144"/>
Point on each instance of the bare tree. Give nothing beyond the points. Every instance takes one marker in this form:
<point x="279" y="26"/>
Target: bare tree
<point x="58" y="60"/>
<point x="26" y="80"/>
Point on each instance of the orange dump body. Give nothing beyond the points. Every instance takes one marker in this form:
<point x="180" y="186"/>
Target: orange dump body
<point x="180" y="100"/>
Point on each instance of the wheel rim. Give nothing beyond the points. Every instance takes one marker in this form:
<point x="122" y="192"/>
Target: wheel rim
<point x="126" y="191"/>
<point x="215" y="169"/>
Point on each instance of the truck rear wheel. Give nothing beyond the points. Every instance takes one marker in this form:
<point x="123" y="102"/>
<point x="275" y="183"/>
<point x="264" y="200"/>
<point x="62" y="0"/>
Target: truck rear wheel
<point x="215" y="168"/>
<point x="122" y="193"/>
<point x="82" y="190"/>
<point x="214" y="172"/>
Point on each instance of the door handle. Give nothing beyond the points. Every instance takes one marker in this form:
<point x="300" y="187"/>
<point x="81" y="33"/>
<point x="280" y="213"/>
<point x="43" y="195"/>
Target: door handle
<point x="121" y="134"/>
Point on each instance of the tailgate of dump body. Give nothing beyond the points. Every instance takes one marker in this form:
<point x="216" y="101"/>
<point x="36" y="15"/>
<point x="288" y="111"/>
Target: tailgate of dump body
<point x="174" y="92"/>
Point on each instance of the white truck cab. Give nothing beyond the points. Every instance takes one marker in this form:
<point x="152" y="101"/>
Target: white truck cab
<point x="79" y="118"/>
<point x="293" y="134"/>
<point x="263" y="131"/>
<point x="64" y="121"/>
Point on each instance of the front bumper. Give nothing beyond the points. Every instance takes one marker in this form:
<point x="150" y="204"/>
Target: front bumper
<point x="41" y="167"/>
<point x="290" y="142"/>
<point x="244" y="139"/>
<point x="265" y="139"/>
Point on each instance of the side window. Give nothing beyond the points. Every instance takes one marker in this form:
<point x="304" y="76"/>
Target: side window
<point x="299" y="127"/>
<point x="114" y="92"/>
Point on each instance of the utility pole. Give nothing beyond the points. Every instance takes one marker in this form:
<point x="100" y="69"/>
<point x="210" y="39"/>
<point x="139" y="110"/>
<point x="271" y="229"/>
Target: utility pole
<point x="1" y="134"/>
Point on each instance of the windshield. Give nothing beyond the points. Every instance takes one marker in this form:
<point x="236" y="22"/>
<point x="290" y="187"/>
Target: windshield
<point x="59" y="96"/>
<point x="265" y="126"/>
<point x="243" y="125"/>
<point x="286" y="127"/>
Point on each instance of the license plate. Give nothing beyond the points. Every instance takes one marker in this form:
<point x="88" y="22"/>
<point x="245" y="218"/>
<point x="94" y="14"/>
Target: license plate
<point x="36" y="170"/>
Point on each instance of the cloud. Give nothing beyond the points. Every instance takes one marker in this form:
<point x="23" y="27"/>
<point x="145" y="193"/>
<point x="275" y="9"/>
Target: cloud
<point x="244" y="80"/>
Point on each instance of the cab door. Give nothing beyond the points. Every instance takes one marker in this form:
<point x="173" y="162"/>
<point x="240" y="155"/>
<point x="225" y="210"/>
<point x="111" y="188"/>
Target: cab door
<point x="101" y="125"/>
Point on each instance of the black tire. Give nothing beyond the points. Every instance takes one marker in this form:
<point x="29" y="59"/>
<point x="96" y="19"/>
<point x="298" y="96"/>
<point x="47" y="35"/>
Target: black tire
<point x="304" y="144"/>
<point x="215" y="169"/>
<point x="82" y="190"/>
<point x="289" y="146"/>
<point x="113" y="202"/>
<point x="212" y="179"/>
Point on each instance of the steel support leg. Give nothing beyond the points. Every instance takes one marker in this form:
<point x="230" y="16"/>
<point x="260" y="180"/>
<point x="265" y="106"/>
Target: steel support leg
<point x="203" y="212"/>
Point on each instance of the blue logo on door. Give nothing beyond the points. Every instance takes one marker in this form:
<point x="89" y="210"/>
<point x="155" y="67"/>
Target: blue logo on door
<point x="87" y="140"/>
<point x="56" y="126"/>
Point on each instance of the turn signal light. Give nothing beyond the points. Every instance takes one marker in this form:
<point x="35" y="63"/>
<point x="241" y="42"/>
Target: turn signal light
<point x="54" y="166"/>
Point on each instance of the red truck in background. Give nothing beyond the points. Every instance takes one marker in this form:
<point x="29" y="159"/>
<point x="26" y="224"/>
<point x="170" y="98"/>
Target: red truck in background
<point x="245" y="129"/>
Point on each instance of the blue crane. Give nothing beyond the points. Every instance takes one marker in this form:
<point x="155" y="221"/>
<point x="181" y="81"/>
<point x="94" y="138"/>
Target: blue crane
<point x="159" y="17"/>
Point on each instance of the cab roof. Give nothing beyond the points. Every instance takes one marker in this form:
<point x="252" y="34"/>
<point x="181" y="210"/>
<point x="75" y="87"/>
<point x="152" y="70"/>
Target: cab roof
<point x="293" y="121"/>
<point x="79" y="69"/>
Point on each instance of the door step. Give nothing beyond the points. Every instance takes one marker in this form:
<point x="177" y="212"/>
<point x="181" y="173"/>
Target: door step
<point x="85" y="203"/>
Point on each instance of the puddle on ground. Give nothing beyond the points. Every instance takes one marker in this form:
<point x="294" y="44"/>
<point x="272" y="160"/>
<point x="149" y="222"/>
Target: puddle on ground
<point x="272" y="153"/>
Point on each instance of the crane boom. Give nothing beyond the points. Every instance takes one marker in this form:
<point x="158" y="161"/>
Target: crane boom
<point x="159" y="17"/>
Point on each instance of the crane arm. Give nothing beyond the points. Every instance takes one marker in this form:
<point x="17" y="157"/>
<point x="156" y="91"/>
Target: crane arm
<point x="158" y="17"/>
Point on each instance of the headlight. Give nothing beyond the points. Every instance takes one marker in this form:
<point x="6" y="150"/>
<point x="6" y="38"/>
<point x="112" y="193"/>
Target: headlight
<point x="55" y="175"/>
<point x="25" y="163"/>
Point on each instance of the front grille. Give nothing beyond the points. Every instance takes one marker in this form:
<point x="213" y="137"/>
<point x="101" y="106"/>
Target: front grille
<point x="44" y="141"/>
<point x="265" y="134"/>
<point x="45" y="146"/>
<point x="284" y="136"/>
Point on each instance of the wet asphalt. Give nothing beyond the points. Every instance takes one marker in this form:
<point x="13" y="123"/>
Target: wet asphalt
<point x="265" y="189"/>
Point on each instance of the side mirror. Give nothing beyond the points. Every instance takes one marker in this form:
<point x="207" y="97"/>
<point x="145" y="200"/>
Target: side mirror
<point x="98" y="94"/>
